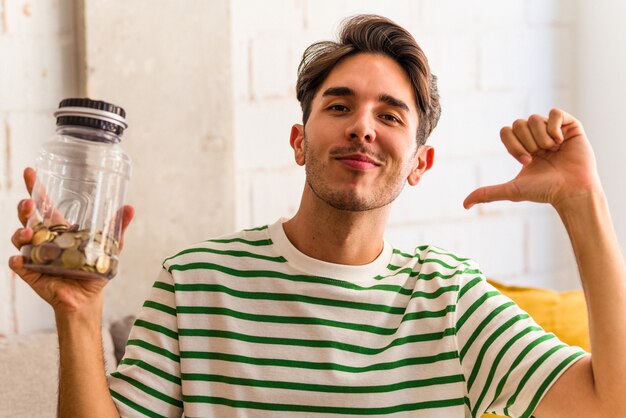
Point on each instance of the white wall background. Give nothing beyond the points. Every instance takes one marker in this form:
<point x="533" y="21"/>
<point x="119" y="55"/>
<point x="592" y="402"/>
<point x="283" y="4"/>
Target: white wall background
<point x="496" y="61"/>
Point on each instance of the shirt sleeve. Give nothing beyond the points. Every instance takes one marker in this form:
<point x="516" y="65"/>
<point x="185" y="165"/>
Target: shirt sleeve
<point x="508" y="360"/>
<point x="147" y="381"/>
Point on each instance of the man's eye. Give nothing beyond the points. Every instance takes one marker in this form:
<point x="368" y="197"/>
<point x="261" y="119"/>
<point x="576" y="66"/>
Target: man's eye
<point x="390" y="118"/>
<point x="338" y="108"/>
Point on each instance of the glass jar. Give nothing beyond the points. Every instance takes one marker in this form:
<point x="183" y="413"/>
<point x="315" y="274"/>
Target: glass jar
<point x="79" y="192"/>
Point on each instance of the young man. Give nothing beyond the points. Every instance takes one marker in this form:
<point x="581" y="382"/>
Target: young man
<point x="319" y="316"/>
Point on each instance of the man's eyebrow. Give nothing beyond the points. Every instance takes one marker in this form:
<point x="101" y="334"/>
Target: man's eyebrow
<point x="392" y="101"/>
<point x="338" y="91"/>
<point x="384" y="98"/>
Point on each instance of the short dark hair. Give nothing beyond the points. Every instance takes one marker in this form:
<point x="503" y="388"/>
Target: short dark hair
<point x="379" y="35"/>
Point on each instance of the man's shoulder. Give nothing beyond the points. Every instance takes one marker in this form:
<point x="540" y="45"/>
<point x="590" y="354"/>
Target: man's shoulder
<point x="233" y="244"/>
<point x="431" y="258"/>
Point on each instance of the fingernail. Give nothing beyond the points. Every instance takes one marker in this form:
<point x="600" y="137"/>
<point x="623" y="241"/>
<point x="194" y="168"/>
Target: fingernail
<point x="525" y="159"/>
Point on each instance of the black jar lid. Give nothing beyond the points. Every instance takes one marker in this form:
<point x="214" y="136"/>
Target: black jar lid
<point x="91" y="113"/>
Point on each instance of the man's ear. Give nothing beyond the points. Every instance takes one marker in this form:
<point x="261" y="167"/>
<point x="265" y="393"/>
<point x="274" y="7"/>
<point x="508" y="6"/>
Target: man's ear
<point x="297" y="143"/>
<point x="423" y="162"/>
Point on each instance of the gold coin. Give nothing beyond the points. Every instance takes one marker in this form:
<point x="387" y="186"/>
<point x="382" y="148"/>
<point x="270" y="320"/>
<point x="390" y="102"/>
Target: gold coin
<point x="59" y="228"/>
<point x="89" y="269"/>
<point x="103" y="264"/>
<point x="41" y="236"/>
<point x="34" y="256"/>
<point x="66" y="240"/>
<point x="72" y="258"/>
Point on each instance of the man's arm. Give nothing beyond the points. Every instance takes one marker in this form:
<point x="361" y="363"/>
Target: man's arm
<point x="83" y="389"/>
<point x="559" y="168"/>
<point x="77" y="304"/>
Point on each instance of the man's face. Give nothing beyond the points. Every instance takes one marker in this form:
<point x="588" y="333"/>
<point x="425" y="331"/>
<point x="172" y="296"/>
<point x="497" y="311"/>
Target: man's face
<point x="359" y="145"/>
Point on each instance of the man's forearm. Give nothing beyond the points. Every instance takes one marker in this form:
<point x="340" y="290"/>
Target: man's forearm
<point x="83" y="389"/>
<point x="603" y="274"/>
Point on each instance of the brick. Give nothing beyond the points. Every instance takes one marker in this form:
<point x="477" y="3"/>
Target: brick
<point x="241" y="68"/>
<point x="552" y="12"/>
<point x="503" y="14"/>
<point x="496" y="243"/>
<point x="542" y="101"/>
<point x="9" y="224"/>
<point x="28" y="132"/>
<point x="553" y="49"/>
<point x="548" y="244"/>
<point x="270" y="16"/>
<point x="563" y="279"/>
<point x="504" y="59"/>
<point x="40" y="17"/>
<point x="404" y="237"/>
<point x="526" y="59"/>
<point x="270" y="62"/>
<point x="5" y="164"/>
<point x="470" y="123"/>
<point x="453" y="59"/>
<point x="33" y="314"/>
<point x="276" y="193"/>
<point x="326" y="15"/>
<point x="438" y="196"/>
<point x="262" y="133"/>
<point x="449" y="15"/>
<point x="496" y="170"/>
<point x="6" y="305"/>
<point x="243" y="200"/>
<point x="40" y="73"/>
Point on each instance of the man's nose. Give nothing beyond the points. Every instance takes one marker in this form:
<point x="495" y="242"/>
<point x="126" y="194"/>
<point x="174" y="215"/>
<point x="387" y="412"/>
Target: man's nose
<point x="361" y="128"/>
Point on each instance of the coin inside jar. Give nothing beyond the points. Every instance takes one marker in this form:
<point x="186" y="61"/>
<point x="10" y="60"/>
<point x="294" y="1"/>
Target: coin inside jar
<point x="103" y="264"/>
<point x="42" y="235"/>
<point x="72" y="258"/>
<point x="65" y="250"/>
<point x="48" y="252"/>
<point x="66" y="240"/>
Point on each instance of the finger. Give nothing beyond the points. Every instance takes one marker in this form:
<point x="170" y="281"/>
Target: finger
<point x="29" y="179"/>
<point x="562" y="125"/>
<point x="539" y="127"/>
<point x="21" y="237"/>
<point x="16" y="263"/>
<point x="504" y="191"/>
<point x="25" y="210"/>
<point x="524" y="136"/>
<point x="128" y="213"/>
<point x="513" y="146"/>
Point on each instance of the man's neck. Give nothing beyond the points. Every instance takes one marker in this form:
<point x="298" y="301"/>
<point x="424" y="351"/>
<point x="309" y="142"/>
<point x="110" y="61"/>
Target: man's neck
<point x="337" y="236"/>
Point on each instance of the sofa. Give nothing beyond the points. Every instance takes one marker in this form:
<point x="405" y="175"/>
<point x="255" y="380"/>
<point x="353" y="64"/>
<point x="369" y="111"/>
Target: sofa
<point x="29" y="364"/>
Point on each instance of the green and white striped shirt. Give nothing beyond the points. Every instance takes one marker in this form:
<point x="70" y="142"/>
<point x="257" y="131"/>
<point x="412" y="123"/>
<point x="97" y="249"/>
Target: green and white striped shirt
<point x="247" y="326"/>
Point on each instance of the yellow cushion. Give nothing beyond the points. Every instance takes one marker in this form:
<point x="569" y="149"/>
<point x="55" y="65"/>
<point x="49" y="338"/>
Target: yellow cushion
<point x="563" y="313"/>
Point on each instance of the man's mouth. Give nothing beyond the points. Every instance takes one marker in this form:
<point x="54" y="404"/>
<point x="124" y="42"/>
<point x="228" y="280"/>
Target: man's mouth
<point x="359" y="162"/>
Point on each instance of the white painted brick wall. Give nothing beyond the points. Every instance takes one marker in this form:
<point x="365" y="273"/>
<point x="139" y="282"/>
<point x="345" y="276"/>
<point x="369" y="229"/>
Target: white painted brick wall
<point x="496" y="61"/>
<point x="276" y="193"/>
<point x="262" y="130"/>
<point x="439" y="194"/>
<point x="37" y="69"/>
<point x="323" y="16"/>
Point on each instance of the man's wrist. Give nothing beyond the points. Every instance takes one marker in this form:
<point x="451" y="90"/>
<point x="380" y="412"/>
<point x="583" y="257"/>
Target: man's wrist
<point x="584" y="201"/>
<point x="88" y="314"/>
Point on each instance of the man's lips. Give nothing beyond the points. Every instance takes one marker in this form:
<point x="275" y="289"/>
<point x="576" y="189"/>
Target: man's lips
<point x="358" y="161"/>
